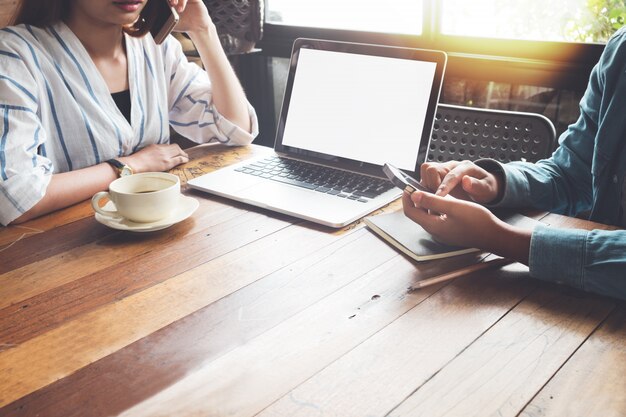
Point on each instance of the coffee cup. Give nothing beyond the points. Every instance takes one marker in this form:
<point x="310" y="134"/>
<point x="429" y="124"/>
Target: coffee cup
<point x="142" y="198"/>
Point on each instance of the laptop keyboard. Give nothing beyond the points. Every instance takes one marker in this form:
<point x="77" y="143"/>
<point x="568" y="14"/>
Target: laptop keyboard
<point x="342" y="184"/>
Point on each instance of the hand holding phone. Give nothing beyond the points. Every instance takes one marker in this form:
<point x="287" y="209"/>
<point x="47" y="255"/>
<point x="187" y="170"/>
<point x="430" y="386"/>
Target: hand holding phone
<point x="402" y="180"/>
<point x="165" y="20"/>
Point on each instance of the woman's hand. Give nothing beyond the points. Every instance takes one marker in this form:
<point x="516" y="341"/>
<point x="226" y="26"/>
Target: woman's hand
<point x="464" y="223"/>
<point x="476" y="184"/>
<point x="194" y="16"/>
<point x="155" y="158"/>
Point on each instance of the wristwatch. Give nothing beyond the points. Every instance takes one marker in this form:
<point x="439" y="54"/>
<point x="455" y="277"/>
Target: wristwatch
<point x="121" y="168"/>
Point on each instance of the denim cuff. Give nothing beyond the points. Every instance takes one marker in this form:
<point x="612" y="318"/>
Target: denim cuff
<point x="558" y="255"/>
<point x="515" y="185"/>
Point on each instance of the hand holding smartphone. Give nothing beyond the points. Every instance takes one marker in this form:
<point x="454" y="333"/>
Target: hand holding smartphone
<point x="166" y="19"/>
<point x="402" y="180"/>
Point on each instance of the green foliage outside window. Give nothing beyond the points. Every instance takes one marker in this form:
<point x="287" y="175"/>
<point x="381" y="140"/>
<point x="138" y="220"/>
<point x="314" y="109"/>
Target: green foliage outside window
<point x="600" y="20"/>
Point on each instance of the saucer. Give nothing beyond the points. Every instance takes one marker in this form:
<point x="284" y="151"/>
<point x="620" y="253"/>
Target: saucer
<point x="186" y="207"/>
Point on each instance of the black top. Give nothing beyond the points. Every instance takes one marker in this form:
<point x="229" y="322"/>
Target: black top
<point x="122" y="100"/>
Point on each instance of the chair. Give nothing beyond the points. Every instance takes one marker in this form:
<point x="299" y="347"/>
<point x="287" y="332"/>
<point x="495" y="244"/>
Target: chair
<point x="239" y="23"/>
<point x="461" y="133"/>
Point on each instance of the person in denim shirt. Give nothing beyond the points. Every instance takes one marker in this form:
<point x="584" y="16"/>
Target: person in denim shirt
<point x="586" y="172"/>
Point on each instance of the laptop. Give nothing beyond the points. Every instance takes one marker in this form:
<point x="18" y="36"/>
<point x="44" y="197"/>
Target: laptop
<point x="348" y="109"/>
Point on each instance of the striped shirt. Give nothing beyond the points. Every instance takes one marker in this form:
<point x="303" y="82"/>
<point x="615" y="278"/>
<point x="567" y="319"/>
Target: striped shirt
<point x="57" y="113"/>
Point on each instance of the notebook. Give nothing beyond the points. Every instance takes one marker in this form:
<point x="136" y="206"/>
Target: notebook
<point x="347" y="109"/>
<point x="415" y="242"/>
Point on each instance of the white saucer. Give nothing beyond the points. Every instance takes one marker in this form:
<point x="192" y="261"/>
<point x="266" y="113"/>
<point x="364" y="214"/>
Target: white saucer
<point x="186" y="207"/>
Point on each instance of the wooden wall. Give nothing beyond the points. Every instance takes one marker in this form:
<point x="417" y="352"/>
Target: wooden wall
<point x="7" y="8"/>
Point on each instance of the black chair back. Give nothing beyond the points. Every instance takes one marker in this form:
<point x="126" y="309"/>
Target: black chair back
<point x="461" y="133"/>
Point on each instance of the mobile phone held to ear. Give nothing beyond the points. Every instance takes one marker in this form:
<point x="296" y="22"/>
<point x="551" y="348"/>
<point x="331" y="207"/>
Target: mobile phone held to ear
<point x="402" y="180"/>
<point x="165" y="21"/>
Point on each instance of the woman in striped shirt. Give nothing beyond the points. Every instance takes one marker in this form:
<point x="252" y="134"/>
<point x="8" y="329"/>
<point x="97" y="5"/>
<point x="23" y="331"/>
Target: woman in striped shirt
<point x="83" y="90"/>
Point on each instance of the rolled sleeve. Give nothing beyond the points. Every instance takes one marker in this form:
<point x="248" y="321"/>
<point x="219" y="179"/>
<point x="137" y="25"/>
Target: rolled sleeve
<point x="192" y="112"/>
<point x="516" y="190"/>
<point x="557" y="255"/>
<point x="21" y="192"/>
<point x="24" y="173"/>
<point x="593" y="260"/>
<point x="235" y="134"/>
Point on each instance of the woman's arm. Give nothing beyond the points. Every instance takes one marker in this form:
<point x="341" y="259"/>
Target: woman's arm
<point x="68" y="188"/>
<point x="228" y="95"/>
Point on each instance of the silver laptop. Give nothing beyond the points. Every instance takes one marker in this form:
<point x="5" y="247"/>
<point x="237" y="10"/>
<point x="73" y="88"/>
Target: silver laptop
<point x="348" y="109"/>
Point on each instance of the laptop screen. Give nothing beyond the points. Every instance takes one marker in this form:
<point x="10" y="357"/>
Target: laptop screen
<point x="361" y="104"/>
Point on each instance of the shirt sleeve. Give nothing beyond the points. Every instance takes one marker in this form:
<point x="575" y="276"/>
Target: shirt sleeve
<point x="25" y="172"/>
<point x="593" y="261"/>
<point x="563" y="183"/>
<point x="192" y="112"/>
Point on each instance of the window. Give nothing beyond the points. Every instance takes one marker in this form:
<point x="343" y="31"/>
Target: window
<point x="549" y="20"/>
<point x="390" y="16"/>
<point x="534" y="20"/>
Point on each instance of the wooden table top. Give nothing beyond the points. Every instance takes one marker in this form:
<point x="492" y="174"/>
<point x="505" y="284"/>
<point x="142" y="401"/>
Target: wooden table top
<point x="239" y="312"/>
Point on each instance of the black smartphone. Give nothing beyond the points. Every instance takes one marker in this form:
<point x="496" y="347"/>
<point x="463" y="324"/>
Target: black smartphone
<point x="402" y="180"/>
<point x="165" y="20"/>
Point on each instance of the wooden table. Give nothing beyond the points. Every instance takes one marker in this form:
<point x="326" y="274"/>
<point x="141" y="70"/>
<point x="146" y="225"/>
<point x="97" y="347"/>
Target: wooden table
<point x="239" y="312"/>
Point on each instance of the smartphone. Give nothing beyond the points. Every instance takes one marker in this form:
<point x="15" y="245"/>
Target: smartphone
<point x="402" y="180"/>
<point x="165" y="20"/>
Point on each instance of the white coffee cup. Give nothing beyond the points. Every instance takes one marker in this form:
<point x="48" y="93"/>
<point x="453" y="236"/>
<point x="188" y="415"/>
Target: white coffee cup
<point x="142" y="198"/>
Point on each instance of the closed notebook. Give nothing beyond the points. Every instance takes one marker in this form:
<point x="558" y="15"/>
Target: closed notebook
<point x="411" y="239"/>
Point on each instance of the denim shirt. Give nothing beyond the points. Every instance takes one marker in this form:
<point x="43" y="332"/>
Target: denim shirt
<point x="586" y="172"/>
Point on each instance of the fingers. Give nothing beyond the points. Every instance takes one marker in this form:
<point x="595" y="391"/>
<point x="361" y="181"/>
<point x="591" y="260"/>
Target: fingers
<point x="414" y="213"/>
<point x="179" y="5"/>
<point x="180" y="160"/>
<point x="455" y="175"/>
<point x="158" y="158"/>
<point x="174" y="155"/>
<point x="479" y="190"/>
<point x="432" y="173"/>
<point x="419" y="214"/>
<point x="179" y="151"/>
<point x="433" y="202"/>
<point x="464" y="180"/>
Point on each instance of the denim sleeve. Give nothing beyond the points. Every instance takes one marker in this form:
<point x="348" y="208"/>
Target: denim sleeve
<point x="593" y="260"/>
<point x="563" y="183"/>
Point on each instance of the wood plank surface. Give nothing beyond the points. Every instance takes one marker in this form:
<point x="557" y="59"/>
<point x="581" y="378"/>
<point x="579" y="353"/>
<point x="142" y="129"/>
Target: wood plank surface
<point x="300" y="278"/>
<point x="124" y="272"/>
<point x="593" y="381"/>
<point x="251" y="377"/>
<point x="225" y="228"/>
<point x="502" y="370"/>
<point x="91" y="336"/>
<point x="381" y="372"/>
<point x="238" y="312"/>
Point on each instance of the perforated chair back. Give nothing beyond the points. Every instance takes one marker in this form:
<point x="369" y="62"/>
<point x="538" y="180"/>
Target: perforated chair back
<point x="239" y="23"/>
<point x="461" y="133"/>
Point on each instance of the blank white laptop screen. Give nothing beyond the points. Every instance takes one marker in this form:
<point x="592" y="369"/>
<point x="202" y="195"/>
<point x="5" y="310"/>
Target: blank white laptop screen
<point x="361" y="107"/>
